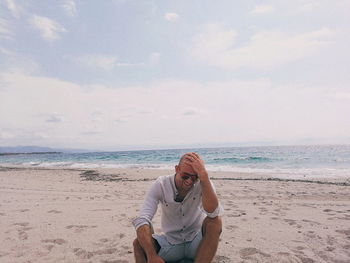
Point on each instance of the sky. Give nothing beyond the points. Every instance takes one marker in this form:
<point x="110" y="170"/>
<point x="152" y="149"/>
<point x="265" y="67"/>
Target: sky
<point x="130" y="74"/>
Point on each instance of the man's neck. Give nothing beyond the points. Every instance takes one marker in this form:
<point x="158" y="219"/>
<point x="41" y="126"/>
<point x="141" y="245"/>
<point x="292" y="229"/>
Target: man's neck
<point x="181" y="192"/>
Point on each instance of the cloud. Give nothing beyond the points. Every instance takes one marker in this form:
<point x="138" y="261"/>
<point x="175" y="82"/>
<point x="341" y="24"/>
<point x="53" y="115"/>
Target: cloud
<point x="195" y="112"/>
<point x="6" y="52"/>
<point x="121" y="119"/>
<point x="172" y="17"/>
<point x="28" y="137"/>
<point x="265" y="49"/>
<point x="103" y="62"/>
<point x="98" y="61"/>
<point x="262" y="9"/>
<point x="5" y="31"/>
<point x="49" y="29"/>
<point x="14" y="8"/>
<point x="91" y="133"/>
<point x="6" y="134"/>
<point x="342" y="95"/>
<point x="70" y="7"/>
<point x="54" y="118"/>
<point x="191" y="111"/>
<point x="154" y="58"/>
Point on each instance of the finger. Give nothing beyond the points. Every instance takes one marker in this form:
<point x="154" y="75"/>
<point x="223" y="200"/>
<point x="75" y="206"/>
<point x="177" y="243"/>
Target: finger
<point x="195" y="154"/>
<point x="195" y="158"/>
<point x="190" y="157"/>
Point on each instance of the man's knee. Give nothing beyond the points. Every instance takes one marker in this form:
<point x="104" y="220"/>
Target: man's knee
<point x="137" y="246"/>
<point x="212" y="225"/>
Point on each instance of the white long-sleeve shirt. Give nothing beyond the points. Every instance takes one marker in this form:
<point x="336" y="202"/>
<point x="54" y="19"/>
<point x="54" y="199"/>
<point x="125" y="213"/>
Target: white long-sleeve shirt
<point x="180" y="221"/>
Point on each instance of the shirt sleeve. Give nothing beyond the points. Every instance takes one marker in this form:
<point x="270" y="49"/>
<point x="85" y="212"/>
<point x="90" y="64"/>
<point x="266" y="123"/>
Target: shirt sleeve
<point x="218" y="210"/>
<point x="149" y="207"/>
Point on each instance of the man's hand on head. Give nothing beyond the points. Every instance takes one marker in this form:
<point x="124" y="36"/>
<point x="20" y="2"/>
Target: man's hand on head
<point x="197" y="165"/>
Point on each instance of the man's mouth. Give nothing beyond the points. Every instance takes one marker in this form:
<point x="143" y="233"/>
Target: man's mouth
<point x="187" y="183"/>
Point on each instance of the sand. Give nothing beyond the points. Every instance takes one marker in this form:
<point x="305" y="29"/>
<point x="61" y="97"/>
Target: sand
<point x="77" y="215"/>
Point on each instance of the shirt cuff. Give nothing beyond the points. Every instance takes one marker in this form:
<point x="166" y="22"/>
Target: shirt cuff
<point x="140" y="221"/>
<point x="215" y="213"/>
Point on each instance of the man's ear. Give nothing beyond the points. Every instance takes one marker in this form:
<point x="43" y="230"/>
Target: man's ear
<point x="177" y="168"/>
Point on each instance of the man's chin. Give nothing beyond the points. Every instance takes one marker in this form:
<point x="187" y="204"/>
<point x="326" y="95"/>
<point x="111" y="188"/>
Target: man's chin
<point x="188" y="186"/>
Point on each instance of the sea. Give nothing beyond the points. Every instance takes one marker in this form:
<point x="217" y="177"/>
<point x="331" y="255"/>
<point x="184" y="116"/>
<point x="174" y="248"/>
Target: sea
<point x="299" y="161"/>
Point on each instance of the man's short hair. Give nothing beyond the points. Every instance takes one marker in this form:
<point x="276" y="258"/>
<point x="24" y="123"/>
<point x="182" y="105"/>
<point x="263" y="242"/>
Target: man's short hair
<point x="182" y="159"/>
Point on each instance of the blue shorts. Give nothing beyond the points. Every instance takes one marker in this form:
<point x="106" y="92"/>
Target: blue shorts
<point x="169" y="252"/>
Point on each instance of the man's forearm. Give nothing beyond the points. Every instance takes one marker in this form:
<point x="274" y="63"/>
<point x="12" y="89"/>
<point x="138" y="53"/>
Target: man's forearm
<point x="144" y="236"/>
<point x="209" y="198"/>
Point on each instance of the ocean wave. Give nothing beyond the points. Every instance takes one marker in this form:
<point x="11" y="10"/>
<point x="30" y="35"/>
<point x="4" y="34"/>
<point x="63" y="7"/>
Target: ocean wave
<point x="244" y="159"/>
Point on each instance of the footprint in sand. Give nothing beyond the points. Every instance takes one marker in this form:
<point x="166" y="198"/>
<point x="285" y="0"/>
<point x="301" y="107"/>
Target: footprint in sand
<point x="22" y="235"/>
<point x="79" y="228"/>
<point x="330" y="248"/>
<point x="125" y="251"/>
<point x="125" y="247"/>
<point x="54" y="212"/>
<point x="233" y="215"/>
<point x="219" y="258"/>
<point x="291" y="222"/>
<point x="246" y="253"/>
<point x="345" y="232"/>
<point x="329" y="211"/>
<point x="58" y="241"/>
<point x="49" y="247"/>
<point x="305" y="259"/>
<point x="341" y="212"/>
<point x="82" y="253"/>
<point x="21" y="224"/>
<point x="231" y="227"/>
<point x="300" y="248"/>
<point x="23" y="227"/>
<point x="101" y="210"/>
<point x="311" y="222"/>
<point x="114" y="261"/>
<point x="263" y="210"/>
<point x="347" y="247"/>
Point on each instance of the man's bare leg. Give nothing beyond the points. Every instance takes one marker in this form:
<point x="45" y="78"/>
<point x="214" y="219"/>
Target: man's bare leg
<point x="139" y="253"/>
<point x="211" y="230"/>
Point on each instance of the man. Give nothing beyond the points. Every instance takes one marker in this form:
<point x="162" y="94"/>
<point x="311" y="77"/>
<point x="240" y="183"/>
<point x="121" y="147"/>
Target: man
<point x="190" y="216"/>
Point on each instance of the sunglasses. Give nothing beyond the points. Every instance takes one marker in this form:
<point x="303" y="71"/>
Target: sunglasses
<point x="193" y="177"/>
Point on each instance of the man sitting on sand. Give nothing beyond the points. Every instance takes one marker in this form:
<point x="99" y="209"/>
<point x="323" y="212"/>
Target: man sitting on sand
<point x="190" y="216"/>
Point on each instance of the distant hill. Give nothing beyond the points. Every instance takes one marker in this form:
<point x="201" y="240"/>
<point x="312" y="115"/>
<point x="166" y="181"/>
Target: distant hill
<point x="37" y="149"/>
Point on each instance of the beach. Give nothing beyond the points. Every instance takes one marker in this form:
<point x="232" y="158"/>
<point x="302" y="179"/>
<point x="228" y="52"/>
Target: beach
<point x="81" y="215"/>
